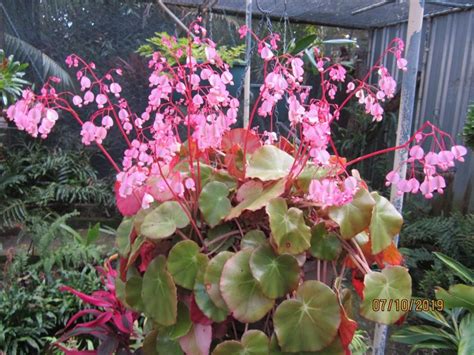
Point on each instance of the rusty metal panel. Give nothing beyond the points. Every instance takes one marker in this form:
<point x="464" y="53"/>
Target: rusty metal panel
<point x="445" y="87"/>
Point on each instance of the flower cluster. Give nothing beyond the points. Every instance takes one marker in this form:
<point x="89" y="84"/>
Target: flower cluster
<point x="429" y="164"/>
<point x="153" y="142"/>
<point x="32" y="116"/>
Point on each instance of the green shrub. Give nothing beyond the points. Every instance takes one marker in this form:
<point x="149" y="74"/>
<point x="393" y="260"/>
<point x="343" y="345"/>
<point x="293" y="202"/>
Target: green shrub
<point x="452" y="235"/>
<point x="38" y="182"/>
<point x="32" y="309"/>
<point x="11" y="79"/>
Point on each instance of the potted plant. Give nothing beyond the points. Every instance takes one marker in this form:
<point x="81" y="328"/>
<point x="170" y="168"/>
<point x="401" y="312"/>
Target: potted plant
<point x="236" y="240"/>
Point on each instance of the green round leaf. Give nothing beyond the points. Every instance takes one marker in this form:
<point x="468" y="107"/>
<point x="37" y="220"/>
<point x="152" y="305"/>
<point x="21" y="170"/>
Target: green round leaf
<point x="385" y="223"/>
<point x="212" y="277"/>
<point x="120" y="291"/>
<point x="168" y="346"/>
<point x="354" y="217"/>
<point x="289" y="230"/>
<point x="277" y="274"/>
<point x="309" y="322"/>
<point x="123" y="236"/>
<point x="392" y="285"/>
<point x="213" y="202"/>
<point x="205" y="304"/>
<point x="253" y="239"/>
<point x="335" y="348"/>
<point x="324" y="245"/>
<point x="269" y="163"/>
<point x="229" y="347"/>
<point x="253" y="342"/>
<point x="159" y="293"/>
<point x="184" y="262"/>
<point x="163" y="220"/>
<point x="255" y="202"/>
<point x="133" y="293"/>
<point x="182" y="326"/>
<point x="241" y="291"/>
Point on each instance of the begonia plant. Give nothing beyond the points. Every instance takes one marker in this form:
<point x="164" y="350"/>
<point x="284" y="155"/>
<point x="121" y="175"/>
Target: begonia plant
<point x="237" y="240"/>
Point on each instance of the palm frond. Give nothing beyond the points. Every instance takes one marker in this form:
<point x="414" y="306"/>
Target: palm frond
<point x="43" y="64"/>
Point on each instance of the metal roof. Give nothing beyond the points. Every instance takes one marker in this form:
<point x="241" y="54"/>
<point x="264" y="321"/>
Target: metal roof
<point x="341" y="13"/>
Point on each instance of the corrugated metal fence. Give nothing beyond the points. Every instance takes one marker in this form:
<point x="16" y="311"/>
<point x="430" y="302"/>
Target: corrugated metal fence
<point x="445" y="87"/>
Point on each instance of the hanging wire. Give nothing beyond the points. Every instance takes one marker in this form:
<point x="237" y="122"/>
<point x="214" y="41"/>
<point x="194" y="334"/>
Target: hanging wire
<point x="266" y="12"/>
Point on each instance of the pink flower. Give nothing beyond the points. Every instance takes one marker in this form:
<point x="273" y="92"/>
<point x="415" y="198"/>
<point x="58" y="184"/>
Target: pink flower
<point x="402" y="64"/>
<point x="100" y="134"/>
<point x="197" y="100"/>
<point x="416" y="152"/>
<point x="85" y="83"/>
<point x="320" y="65"/>
<point x="77" y="100"/>
<point x="101" y="100"/>
<point x="189" y="184"/>
<point x="123" y="114"/>
<point x="227" y="77"/>
<point x="328" y="193"/>
<point x="337" y="73"/>
<point x="392" y="178"/>
<point x="146" y="200"/>
<point x="88" y="97"/>
<point x="414" y="185"/>
<point x="243" y="31"/>
<point x="211" y="54"/>
<point x="431" y="159"/>
<point x="459" y="152"/>
<point x="107" y="121"/>
<point x="115" y="89"/>
<point x="266" y="54"/>
<point x="88" y="133"/>
<point x="297" y="68"/>
<point x="350" y="87"/>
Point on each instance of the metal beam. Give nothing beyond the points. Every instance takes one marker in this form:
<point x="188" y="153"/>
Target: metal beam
<point x="405" y="119"/>
<point x="449" y="4"/>
<point x="373" y="6"/>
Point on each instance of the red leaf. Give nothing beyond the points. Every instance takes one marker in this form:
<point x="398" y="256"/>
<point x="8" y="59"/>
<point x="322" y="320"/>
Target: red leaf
<point x="346" y="329"/>
<point x="75" y="352"/>
<point x="358" y="283"/>
<point x="122" y="323"/>
<point x="196" y="314"/>
<point x="237" y="136"/>
<point x="101" y="319"/>
<point x="391" y="255"/>
<point x="285" y="145"/>
<point x="80" y="314"/>
<point x="93" y="300"/>
<point x="148" y="251"/>
<point x="401" y="320"/>
<point x="219" y="330"/>
<point x="234" y="163"/>
<point x="123" y="269"/>
<point x="130" y="205"/>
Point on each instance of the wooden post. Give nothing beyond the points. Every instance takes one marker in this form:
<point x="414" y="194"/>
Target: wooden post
<point x="248" y="52"/>
<point x="405" y="119"/>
